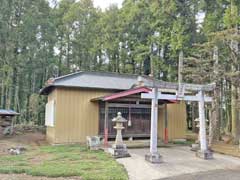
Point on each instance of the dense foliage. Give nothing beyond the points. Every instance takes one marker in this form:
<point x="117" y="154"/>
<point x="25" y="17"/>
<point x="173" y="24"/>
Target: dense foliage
<point x="39" y="40"/>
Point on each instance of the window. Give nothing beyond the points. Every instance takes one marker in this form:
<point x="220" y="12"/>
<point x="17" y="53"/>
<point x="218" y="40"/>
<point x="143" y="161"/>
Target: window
<point x="50" y="114"/>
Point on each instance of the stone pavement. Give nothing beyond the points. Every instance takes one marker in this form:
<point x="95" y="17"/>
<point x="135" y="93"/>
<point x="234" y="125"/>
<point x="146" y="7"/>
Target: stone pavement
<point x="178" y="161"/>
<point x="223" y="174"/>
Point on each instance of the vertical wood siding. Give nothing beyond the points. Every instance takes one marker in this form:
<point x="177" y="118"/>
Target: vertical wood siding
<point x="177" y="122"/>
<point x="77" y="116"/>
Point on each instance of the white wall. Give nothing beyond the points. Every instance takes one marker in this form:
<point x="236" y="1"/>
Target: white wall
<point x="50" y="114"/>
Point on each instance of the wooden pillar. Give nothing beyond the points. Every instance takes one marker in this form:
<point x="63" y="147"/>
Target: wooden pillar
<point x="166" y="124"/>
<point x="106" y="125"/>
<point x="12" y="124"/>
<point x="193" y="117"/>
<point x="202" y="123"/>
<point x="129" y="117"/>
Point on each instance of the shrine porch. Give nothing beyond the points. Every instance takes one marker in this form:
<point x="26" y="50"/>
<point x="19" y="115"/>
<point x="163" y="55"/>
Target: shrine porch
<point x="138" y="114"/>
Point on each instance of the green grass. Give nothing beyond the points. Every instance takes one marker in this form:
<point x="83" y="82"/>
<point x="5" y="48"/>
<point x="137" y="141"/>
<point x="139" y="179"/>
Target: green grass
<point x="64" y="161"/>
<point x="188" y="142"/>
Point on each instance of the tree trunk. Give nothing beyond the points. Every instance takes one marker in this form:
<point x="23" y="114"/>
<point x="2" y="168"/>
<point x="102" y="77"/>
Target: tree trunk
<point x="234" y="112"/>
<point x="214" y="129"/>
<point x="13" y="88"/>
<point x="60" y="60"/>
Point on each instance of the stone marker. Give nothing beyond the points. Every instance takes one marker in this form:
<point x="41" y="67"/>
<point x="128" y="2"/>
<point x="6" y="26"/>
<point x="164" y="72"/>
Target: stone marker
<point x="119" y="149"/>
<point x="93" y="142"/>
<point x="17" y="150"/>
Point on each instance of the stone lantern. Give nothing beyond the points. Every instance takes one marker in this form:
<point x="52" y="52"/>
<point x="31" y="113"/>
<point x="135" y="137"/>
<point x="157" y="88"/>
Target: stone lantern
<point x="196" y="145"/>
<point x="119" y="149"/>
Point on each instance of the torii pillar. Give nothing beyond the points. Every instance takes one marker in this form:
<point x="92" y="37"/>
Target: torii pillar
<point x="154" y="96"/>
<point x="154" y="156"/>
<point x="204" y="152"/>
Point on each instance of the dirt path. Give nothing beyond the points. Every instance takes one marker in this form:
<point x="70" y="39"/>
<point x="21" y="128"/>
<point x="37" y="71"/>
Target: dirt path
<point x="24" y="140"/>
<point x="27" y="177"/>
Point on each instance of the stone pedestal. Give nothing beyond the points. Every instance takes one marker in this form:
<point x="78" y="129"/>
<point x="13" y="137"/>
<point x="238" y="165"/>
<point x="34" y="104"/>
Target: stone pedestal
<point x="153" y="158"/>
<point x="195" y="147"/>
<point x="93" y="142"/>
<point x="119" y="149"/>
<point x="204" y="154"/>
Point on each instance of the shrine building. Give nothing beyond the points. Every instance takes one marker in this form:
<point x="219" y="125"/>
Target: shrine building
<point x="84" y="103"/>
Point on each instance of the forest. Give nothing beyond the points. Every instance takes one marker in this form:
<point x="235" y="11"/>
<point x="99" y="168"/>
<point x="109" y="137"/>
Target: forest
<point x="40" y="40"/>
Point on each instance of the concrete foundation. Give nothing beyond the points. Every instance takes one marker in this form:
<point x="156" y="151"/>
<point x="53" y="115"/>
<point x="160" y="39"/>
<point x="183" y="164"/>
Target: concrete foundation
<point x="119" y="151"/>
<point x="204" y="154"/>
<point x="195" y="147"/>
<point x="153" y="158"/>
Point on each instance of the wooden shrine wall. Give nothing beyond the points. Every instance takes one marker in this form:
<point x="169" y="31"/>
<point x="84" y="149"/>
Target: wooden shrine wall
<point x="177" y="121"/>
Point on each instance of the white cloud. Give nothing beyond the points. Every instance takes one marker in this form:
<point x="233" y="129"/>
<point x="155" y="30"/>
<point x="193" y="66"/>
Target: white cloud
<point x="103" y="4"/>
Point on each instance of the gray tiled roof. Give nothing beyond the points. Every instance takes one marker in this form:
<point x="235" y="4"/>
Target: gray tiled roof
<point x="115" y="81"/>
<point x="98" y="80"/>
<point x="8" y="112"/>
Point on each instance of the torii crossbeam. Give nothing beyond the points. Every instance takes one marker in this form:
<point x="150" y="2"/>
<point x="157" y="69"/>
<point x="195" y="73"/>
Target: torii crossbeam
<point x="155" y="95"/>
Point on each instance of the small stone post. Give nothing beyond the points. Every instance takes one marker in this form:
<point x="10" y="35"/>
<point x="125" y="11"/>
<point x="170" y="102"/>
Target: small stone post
<point x="119" y="149"/>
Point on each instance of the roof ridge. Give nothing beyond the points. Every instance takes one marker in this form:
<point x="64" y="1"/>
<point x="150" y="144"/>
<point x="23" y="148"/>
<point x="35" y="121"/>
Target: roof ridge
<point x="111" y="73"/>
<point x="96" y="72"/>
<point x="67" y="75"/>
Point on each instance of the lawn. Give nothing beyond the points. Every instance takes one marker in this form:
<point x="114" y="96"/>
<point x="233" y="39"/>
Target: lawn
<point x="63" y="161"/>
